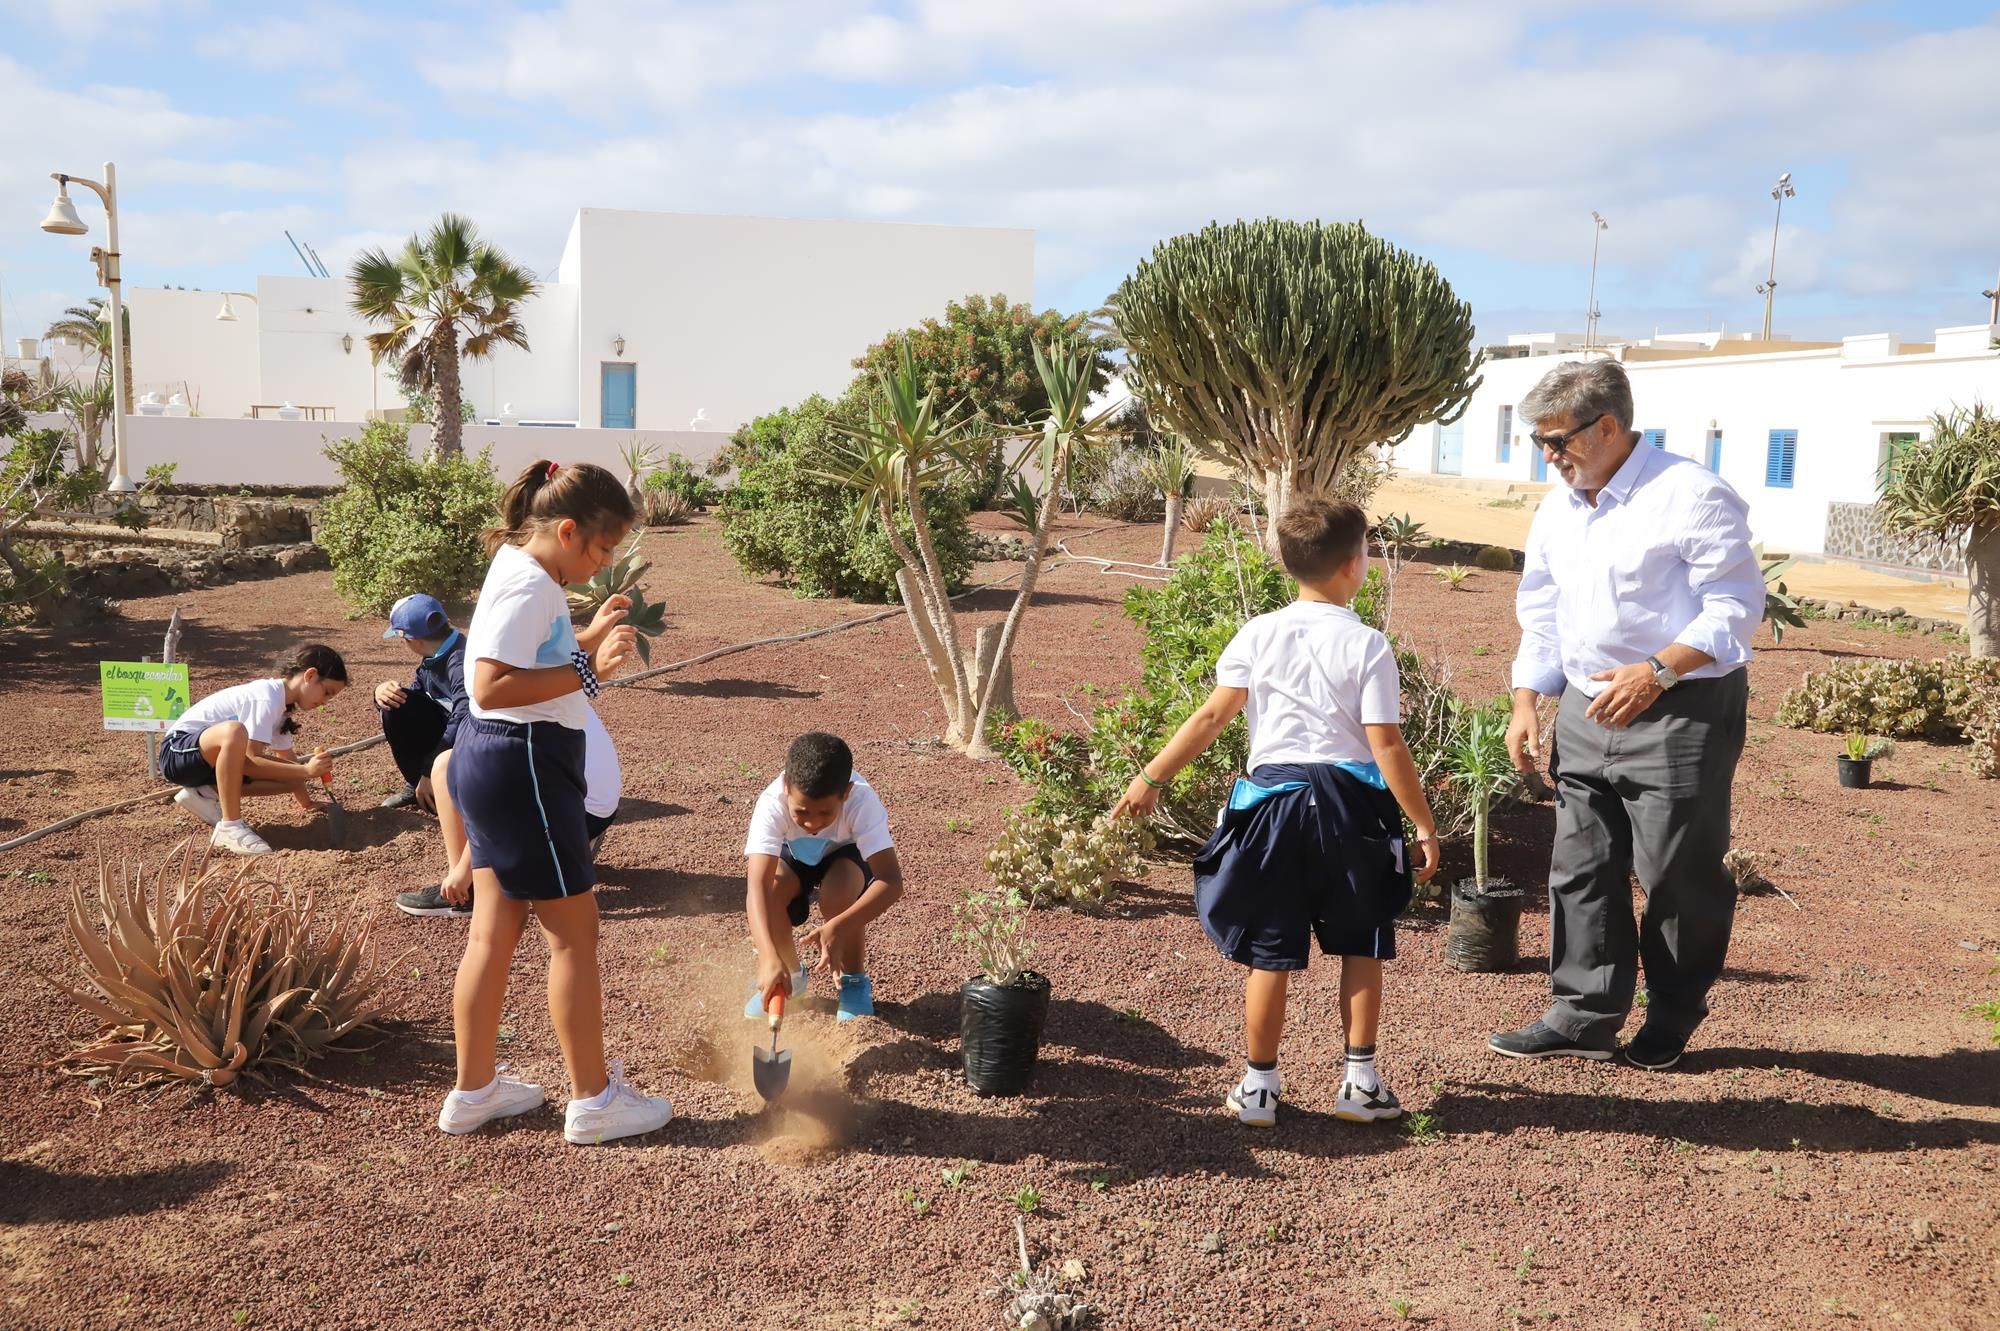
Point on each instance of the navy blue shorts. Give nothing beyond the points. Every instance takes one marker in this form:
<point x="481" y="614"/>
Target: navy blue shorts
<point x="812" y="875"/>
<point x="519" y="788"/>
<point x="181" y="762"/>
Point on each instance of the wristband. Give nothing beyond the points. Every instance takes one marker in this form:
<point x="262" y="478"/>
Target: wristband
<point x="583" y="672"/>
<point x="1156" y="785"/>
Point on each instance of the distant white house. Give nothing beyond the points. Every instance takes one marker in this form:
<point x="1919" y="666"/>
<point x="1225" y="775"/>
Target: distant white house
<point x="1802" y="430"/>
<point x="654" y="321"/>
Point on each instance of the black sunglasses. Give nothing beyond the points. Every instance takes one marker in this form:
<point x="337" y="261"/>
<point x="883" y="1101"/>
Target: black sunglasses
<point x="1559" y="443"/>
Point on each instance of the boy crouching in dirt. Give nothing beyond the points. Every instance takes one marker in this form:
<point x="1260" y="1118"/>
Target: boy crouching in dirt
<point x="819" y="832"/>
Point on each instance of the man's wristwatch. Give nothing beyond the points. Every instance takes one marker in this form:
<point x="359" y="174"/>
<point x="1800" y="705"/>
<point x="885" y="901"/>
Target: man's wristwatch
<point x="1663" y="674"/>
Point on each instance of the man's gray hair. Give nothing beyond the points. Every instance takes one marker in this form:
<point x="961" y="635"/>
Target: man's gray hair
<point x="1579" y="392"/>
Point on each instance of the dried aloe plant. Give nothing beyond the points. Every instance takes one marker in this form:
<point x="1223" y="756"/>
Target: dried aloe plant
<point x="213" y="974"/>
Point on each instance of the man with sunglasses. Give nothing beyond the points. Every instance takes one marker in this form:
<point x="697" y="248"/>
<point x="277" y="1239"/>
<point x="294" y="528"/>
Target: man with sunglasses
<point x="1637" y="603"/>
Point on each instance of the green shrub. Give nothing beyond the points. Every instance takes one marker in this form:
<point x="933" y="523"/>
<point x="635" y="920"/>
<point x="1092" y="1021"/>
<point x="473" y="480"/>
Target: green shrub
<point x="1067" y="860"/>
<point x="1121" y="489"/>
<point x="677" y="476"/>
<point x="1188" y="620"/>
<point x="1494" y="559"/>
<point x="1940" y="700"/>
<point x="785" y="518"/>
<point x="401" y="524"/>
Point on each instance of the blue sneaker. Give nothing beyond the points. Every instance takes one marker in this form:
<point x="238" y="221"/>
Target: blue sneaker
<point x="754" y="1009"/>
<point x="857" y="998"/>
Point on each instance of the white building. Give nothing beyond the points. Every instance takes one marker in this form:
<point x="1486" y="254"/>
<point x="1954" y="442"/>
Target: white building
<point x="1800" y="429"/>
<point x="651" y="319"/>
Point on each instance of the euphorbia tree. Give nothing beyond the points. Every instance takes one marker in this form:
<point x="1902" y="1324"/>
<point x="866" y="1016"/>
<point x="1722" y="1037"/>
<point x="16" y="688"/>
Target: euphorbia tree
<point x="1290" y="346"/>
<point x="1946" y="485"/>
<point x="907" y="447"/>
<point x="1479" y="765"/>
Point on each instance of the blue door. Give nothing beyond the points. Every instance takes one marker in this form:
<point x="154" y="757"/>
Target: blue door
<point x="1451" y="448"/>
<point x="1540" y="470"/>
<point x="620" y="410"/>
<point x="1715" y="450"/>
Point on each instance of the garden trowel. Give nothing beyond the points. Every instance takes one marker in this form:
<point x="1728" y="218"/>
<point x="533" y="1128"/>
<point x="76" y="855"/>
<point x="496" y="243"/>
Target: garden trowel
<point x="336" y="813"/>
<point x="770" y="1069"/>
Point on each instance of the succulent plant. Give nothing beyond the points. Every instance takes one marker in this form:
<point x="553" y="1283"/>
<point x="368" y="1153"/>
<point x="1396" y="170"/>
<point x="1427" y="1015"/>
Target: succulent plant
<point x="1067" y="860"/>
<point x="621" y="578"/>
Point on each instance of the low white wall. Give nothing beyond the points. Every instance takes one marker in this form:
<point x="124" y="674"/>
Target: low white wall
<point x="216" y="451"/>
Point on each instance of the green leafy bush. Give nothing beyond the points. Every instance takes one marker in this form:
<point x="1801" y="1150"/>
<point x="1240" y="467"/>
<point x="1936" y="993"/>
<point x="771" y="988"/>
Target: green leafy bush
<point x="1904" y="699"/>
<point x="784" y="517"/>
<point x="1188" y="621"/>
<point x="1123" y="488"/>
<point x="401" y="524"/>
<point x="677" y="476"/>
<point x="1067" y="860"/>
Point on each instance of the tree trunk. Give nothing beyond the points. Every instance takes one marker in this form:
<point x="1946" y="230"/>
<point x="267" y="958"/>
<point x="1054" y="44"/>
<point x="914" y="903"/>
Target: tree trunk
<point x="1173" y="527"/>
<point x="946" y="622"/>
<point x="996" y="687"/>
<point x="928" y="645"/>
<point x="992" y="675"/>
<point x="1277" y="485"/>
<point x="448" y="429"/>
<point x="1480" y="849"/>
<point x="1982" y="609"/>
<point x="128" y="370"/>
<point x="931" y="622"/>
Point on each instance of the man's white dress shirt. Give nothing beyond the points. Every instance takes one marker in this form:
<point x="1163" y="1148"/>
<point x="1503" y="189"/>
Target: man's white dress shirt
<point x="1664" y="557"/>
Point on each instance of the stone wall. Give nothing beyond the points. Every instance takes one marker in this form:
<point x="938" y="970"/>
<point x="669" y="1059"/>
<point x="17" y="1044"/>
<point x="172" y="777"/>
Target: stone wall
<point x="242" y="523"/>
<point x="1854" y="531"/>
<point x="122" y="571"/>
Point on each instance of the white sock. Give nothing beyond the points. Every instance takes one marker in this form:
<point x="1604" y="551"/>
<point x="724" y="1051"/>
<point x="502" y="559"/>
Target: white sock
<point x="601" y="1099"/>
<point x="232" y="822"/>
<point x="1261" y="1079"/>
<point x="480" y="1096"/>
<point x="1361" y="1068"/>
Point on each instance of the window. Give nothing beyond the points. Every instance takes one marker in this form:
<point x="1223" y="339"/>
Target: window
<point x="1780" y="460"/>
<point x="1888" y="460"/>
<point x="1503" y="447"/>
<point x="1715" y="451"/>
<point x="1657" y="438"/>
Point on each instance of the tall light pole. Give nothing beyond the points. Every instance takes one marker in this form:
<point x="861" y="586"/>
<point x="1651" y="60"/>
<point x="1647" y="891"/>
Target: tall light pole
<point x="1993" y="313"/>
<point x="1590" y="308"/>
<point x="1768" y="288"/>
<point x="63" y="221"/>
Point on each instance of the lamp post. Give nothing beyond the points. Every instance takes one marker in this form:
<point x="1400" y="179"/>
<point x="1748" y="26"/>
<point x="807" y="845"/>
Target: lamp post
<point x="1993" y="312"/>
<point x="1590" y="308"/>
<point x="227" y="314"/>
<point x="63" y="221"/>
<point x="1768" y="288"/>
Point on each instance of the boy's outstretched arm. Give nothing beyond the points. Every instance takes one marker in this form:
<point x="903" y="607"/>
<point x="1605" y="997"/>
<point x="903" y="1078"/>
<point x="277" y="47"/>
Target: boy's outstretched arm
<point x="1196" y="734"/>
<point x="770" y="931"/>
<point x="885" y="886"/>
<point x="1392" y="755"/>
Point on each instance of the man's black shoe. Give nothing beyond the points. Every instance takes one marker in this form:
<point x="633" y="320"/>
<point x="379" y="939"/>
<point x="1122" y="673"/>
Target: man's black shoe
<point x="1536" y="1040"/>
<point x="407" y="795"/>
<point x="1654" y="1050"/>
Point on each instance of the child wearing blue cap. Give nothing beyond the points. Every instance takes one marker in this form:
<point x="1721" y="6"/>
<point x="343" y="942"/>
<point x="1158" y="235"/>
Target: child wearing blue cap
<point x="421" y="721"/>
<point x="1311" y="843"/>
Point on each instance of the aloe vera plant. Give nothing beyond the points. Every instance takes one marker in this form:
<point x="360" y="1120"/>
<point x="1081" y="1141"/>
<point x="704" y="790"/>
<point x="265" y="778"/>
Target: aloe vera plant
<point x="209" y="974"/>
<point x="621" y="578"/>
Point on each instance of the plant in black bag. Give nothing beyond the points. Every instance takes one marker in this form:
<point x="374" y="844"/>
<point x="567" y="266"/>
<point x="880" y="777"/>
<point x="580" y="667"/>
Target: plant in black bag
<point x="1002" y="1008"/>
<point x="1485" y="911"/>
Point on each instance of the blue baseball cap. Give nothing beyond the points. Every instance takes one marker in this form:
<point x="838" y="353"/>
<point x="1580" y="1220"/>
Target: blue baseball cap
<point x="418" y="616"/>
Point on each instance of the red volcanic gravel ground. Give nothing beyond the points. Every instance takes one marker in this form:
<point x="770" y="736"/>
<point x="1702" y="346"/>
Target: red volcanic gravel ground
<point x="1831" y="1148"/>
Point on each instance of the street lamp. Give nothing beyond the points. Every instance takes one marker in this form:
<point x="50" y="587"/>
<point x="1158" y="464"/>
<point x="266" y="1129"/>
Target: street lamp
<point x="1993" y="314"/>
<point x="1590" y="308"/>
<point x="227" y="314"/>
<point x="1768" y="288"/>
<point x="63" y="221"/>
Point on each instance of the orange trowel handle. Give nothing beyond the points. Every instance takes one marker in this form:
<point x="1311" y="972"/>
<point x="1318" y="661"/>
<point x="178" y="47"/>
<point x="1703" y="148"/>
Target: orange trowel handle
<point x="776" y="1007"/>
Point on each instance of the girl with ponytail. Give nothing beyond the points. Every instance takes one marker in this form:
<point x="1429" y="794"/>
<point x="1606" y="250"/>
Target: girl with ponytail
<point x="516" y="783"/>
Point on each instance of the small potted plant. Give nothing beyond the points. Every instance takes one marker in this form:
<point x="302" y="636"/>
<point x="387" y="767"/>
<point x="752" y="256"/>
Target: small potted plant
<point x="1001" y="1010"/>
<point x="1857" y="765"/>
<point x="1485" y="911"/>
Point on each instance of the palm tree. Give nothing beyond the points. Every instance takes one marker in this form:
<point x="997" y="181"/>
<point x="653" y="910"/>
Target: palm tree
<point x="87" y="325"/>
<point x="1945" y="485"/>
<point x="443" y="287"/>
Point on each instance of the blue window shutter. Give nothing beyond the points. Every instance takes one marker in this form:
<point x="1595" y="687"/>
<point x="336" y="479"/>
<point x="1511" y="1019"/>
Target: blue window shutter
<point x="1782" y="459"/>
<point x="1657" y="438"/>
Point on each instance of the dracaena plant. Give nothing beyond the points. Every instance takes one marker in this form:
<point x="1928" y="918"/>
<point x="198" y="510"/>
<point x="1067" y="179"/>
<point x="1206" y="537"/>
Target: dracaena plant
<point x="621" y="577"/>
<point x="1480" y="766"/>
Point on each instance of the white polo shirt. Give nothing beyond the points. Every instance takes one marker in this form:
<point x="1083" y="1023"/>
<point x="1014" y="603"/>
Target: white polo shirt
<point x="1317" y="676"/>
<point x="522" y="620"/>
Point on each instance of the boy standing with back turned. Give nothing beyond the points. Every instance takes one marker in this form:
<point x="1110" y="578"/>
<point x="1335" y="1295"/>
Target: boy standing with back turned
<point x="1311" y="843"/>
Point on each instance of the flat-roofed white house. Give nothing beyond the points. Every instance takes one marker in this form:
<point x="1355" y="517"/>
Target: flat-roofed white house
<point x="1802" y="430"/>
<point x="650" y="322"/>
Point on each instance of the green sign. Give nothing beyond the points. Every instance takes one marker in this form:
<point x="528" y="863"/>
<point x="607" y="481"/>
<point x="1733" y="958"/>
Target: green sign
<point x="139" y="695"/>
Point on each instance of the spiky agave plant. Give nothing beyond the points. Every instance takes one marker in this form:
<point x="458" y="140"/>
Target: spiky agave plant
<point x="621" y="578"/>
<point x="210" y="974"/>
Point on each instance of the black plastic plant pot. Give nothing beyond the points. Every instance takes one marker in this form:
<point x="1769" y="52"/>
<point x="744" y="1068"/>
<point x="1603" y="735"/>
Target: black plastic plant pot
<point x="1485" y="926"/>
<point x="1855" y="773"/>
<point x="1000" y="1031"/>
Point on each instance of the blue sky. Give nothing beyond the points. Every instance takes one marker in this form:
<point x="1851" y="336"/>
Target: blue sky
<point x="1479" y="134"/>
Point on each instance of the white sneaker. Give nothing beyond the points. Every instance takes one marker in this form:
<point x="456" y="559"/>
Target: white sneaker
<point x="623" y="1113"/>
<point x="509" y="1096"/>
<point x="238" y="839"/>
<point x="203" y="806"/>
<point x="1255" y="1106"/>
<point x="1359" y="1106"/>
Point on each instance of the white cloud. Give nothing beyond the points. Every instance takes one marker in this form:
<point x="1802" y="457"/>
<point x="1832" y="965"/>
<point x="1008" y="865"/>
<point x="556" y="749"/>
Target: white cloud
<point x="77" y="19"/>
